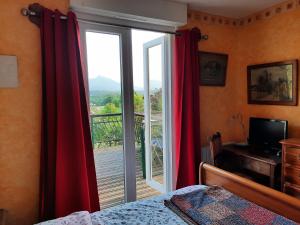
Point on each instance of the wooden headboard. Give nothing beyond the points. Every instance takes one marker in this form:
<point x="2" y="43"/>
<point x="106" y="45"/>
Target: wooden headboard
<point x="268" y="198"/>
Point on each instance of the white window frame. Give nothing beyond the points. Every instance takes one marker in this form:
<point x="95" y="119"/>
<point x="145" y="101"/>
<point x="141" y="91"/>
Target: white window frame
<point x="167" y="115"/>
<point x="127" y="99"/>
<point x="128" y="109"/>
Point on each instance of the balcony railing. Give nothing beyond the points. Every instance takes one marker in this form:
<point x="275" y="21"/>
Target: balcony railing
<point x="107" y="129"/>
<point x="107" y="132"/>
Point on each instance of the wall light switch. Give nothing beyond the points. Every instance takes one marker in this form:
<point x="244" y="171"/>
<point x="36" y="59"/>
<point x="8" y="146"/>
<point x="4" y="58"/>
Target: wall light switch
<point x="8" y="71"/>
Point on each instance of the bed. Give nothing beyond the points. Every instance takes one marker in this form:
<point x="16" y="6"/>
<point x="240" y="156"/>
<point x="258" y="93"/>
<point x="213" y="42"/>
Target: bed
<point x="157" y="210"/>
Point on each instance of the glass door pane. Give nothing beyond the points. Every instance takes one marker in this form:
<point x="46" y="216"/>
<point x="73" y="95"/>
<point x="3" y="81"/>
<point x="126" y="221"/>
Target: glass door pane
<point x="154" y="74"/>
<point x="156" y="116"/>
<point x="139" y="38"/>
<point x="104" y="73"/>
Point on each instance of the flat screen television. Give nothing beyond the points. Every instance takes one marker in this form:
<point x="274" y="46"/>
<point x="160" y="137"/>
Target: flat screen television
<point x="267" y="133"/>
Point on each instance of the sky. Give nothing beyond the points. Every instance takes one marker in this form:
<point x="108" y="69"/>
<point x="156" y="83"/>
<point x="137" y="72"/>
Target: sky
<point x="103" y="56"/>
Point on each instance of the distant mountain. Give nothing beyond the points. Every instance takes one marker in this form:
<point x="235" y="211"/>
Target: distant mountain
<point x="101" y="83"/>
<point x="105" y="84"/>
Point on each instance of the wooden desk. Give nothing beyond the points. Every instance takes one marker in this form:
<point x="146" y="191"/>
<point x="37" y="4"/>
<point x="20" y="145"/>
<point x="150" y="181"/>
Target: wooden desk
<point x="255" y="160"/>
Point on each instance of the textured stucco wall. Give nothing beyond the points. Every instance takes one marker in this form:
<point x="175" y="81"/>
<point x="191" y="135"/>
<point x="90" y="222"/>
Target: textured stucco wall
<point x="268" y="40"/>
<point x="20" y="113"/>
<point x="271" y="40"/>
<point x="218" y="104"/>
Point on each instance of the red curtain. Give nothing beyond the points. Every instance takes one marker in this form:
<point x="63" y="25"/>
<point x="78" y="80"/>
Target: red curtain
<point x="68" y="178"/>
<point x="186" y="107"/>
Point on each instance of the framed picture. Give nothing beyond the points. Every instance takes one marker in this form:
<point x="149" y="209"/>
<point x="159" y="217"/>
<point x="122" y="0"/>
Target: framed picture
<point x="273" y="83"/>
<point x="213" y="67"/>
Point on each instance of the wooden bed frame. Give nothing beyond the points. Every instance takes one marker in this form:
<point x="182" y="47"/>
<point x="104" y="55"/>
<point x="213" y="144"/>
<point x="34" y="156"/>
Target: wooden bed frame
<point x="268" y="198"/>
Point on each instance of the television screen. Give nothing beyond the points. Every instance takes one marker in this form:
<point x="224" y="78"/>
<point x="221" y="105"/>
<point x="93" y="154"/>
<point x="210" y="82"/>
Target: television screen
<point x="267" y="132"/>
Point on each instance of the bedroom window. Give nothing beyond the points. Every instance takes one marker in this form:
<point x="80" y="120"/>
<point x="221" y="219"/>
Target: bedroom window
<point x="129" y="89"/>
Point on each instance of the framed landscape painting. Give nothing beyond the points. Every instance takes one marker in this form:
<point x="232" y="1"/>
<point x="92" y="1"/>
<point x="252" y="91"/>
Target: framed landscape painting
<point x="273" y="83"/>
<point x="213" y="67"/>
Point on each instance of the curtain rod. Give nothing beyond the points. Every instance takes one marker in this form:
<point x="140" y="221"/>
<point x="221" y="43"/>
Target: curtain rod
<point x="28" y="12"/>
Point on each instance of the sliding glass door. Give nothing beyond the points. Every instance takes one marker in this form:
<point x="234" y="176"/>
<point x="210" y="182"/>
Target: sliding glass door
<point x="131" y="150"/>
<point x="108" y="53"/>
<point x="105" y="89"/>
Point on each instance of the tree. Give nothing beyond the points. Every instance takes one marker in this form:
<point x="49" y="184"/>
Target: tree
<point x="110" y="108"/>
<point x="138" y="103"/>
<point x="156" y="100"/>
<point x="116" y="100"/>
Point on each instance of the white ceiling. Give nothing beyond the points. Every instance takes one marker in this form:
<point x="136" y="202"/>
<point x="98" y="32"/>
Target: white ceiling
<point x="230" y="8"/>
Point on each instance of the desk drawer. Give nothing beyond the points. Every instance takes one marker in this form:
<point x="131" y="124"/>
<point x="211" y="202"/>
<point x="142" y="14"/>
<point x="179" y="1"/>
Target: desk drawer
<point x="292" y="190"/>
<point x="256" y="166"/>
<point x="292" y="175"/>
<point x="292" y="156"/>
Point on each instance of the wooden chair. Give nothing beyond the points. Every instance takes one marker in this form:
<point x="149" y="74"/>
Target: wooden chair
<point x="218" y="157"/>
<point x="222" y="160"/>
<point x="215" y="146"/>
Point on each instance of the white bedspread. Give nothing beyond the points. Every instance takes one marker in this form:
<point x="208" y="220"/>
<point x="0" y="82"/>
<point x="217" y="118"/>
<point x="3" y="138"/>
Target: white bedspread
<point x="77" y="218"/>
<point x="150" y="211"/>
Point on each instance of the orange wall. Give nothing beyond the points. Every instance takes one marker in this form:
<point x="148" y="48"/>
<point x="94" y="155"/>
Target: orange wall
<point x="217" y="104"/>
<point x="20" y="113"/>
<point x="269" y="40"/>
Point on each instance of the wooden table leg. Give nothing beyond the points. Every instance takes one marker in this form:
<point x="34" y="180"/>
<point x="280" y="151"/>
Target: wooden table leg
<point x="272" y="176"/>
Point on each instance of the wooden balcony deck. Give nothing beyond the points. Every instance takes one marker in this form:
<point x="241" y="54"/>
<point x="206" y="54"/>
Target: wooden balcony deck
<point x="110" y="177"/>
